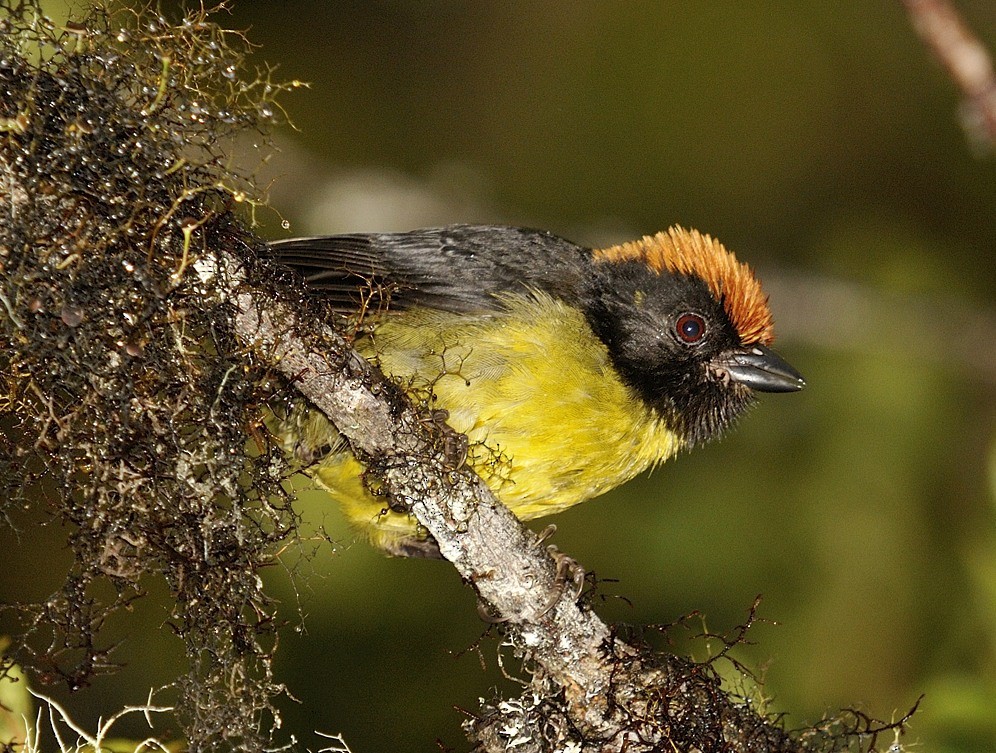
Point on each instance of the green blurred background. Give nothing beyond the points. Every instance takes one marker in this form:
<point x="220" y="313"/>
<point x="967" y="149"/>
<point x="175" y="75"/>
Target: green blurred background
<point x="822" y="143"/>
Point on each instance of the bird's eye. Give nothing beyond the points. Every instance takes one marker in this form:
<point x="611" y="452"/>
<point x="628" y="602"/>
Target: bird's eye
<point x="690" y="328"/>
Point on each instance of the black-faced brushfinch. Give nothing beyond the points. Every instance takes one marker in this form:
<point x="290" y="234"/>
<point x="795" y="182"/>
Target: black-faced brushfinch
<point x="570" y="370"/>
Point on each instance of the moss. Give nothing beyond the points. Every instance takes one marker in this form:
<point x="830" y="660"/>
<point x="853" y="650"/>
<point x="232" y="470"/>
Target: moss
<point x="125" y="397"/>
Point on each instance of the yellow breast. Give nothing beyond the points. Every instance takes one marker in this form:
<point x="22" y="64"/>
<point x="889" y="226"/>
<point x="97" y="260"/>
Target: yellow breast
<point x="549" y="422"/>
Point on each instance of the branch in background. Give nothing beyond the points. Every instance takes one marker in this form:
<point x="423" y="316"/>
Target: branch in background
<point x="967" y="62"/>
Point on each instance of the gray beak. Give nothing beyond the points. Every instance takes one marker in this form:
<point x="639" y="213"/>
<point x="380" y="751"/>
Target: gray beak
<point x="761" y="369"/>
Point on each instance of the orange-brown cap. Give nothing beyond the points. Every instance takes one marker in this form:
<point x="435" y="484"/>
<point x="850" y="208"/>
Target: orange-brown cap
<point x="689" y="252"/>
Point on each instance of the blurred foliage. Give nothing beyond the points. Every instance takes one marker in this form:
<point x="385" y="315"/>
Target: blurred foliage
<point x="15" y="704"/>
<point x="816" y="137"/>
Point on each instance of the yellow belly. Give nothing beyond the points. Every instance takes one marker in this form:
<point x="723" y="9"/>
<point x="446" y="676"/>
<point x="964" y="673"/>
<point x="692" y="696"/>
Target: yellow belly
<point x="549" y="422"/>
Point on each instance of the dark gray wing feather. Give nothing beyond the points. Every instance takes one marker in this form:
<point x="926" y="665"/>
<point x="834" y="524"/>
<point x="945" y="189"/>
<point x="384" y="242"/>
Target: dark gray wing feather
<point x="459" y="268"/>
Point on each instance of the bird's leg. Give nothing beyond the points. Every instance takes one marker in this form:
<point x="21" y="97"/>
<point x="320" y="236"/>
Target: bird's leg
<point x="413" y="546"/>
<point x="567" y="571"/>
<point x="567" y="567"/>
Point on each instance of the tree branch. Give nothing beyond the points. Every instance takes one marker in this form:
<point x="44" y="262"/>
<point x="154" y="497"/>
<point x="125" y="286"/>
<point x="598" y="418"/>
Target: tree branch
<point x="512" y="573"/>
<point x="964" y="57"/>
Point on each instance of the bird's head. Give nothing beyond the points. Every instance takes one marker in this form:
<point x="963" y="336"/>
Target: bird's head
<point x="688" y="328"/>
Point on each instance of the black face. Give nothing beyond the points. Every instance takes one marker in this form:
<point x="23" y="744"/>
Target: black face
<point x="662" y="332"/>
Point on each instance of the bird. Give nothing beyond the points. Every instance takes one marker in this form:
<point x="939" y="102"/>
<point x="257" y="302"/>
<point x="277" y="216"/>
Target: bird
<point x="569" y="369"/>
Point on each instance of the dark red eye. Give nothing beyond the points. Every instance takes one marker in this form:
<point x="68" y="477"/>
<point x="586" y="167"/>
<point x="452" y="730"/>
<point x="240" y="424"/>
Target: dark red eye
<point x="690" y="328"/>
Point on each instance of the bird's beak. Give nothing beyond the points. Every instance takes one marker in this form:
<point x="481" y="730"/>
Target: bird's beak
<point x="759" y="368"/>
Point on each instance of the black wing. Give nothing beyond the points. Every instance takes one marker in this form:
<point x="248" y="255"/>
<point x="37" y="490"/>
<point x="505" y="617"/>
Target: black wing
<point x="459" y="268"/>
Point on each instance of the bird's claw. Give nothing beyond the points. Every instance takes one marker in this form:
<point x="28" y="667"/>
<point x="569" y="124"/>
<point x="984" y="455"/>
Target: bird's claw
<point x="568" y="572"/>
<point x="546" y="533"/>
<point x="568" y="569"/>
